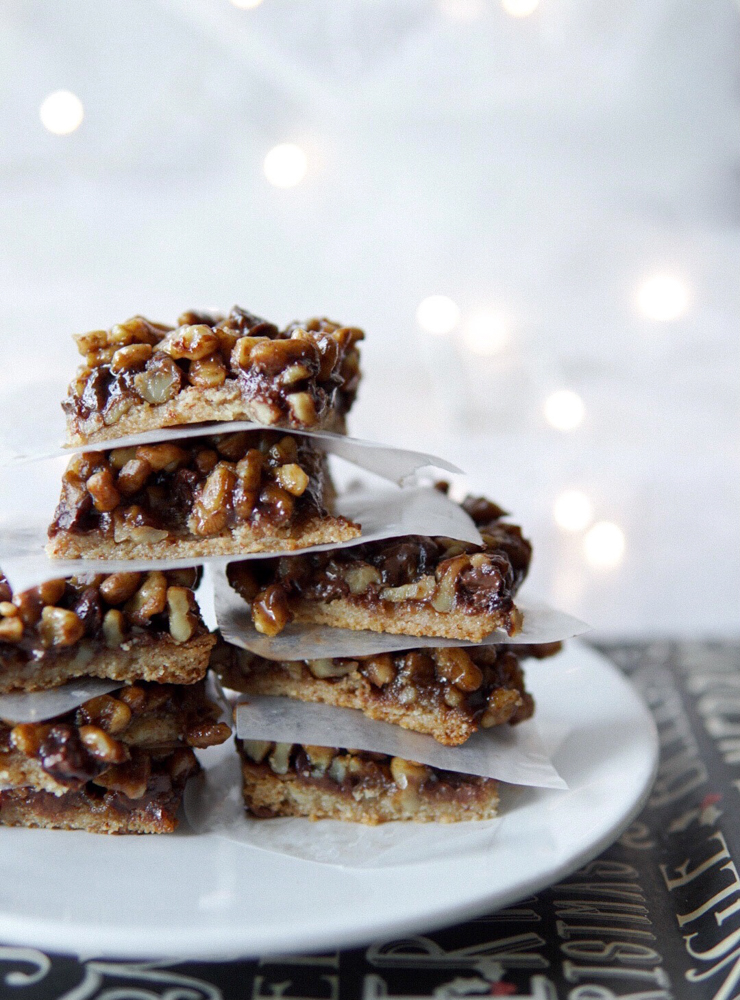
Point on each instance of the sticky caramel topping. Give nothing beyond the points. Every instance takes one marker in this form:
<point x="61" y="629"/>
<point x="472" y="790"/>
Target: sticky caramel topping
<point x="110" y="739"/>
<point x="198" y="487"/>
<point x="349" y="770"/>
<point x="443" y="573"/>
<point x="291" y="377"/>
<point x="109" y="609"/>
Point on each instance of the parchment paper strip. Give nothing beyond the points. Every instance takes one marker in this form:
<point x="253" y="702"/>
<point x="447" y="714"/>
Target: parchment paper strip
<point x="514" y="754"/>
<point x="37" y="706"/>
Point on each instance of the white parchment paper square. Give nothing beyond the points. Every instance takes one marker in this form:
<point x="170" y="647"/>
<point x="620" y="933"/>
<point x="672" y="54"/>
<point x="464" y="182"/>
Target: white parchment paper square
<point x="37" y="706"/>
<point x="514" y="754"/>
<point x="29" y="494"/>
<point x="214" y="804"/>
<point x="37" y="432"/>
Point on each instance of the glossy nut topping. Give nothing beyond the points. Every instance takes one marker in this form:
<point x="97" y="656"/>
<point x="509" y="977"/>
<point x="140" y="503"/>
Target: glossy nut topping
<point x="294" y="377"/>
<point x="199" y="488"/>
<point x="108" y="608"/>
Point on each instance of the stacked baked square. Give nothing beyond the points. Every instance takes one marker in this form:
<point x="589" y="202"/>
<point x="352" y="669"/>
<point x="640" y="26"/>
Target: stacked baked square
<point x="226" y="493"/>
<point x="447" y="692"/>
<point x="438" y="588"/>
<point x="118" y="762"/>
<point x="207" y="442"/>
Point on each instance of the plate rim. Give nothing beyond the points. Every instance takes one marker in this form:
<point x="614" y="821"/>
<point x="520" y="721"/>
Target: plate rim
<point x="60" y="936"/>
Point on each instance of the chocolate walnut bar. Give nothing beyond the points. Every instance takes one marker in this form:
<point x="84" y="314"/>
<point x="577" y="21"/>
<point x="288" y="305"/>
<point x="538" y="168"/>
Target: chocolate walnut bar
<point x="117" y="764"/>
<point x="250" y="491"/>
<point x="411" y="586"/>
<point x="140" y="375"/>
<point x="122" y="626"/>
<point x="448" y="693"/>
<point x="283" y="779"/>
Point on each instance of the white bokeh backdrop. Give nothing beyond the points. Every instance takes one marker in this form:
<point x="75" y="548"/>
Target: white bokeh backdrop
<point x="536" y="170"/>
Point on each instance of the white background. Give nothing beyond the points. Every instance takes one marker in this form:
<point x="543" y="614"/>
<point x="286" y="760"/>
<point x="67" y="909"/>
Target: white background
<point x="541" y="167"/>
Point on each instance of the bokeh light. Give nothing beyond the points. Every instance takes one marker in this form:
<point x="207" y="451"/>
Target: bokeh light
<point x="485" y="333"/>
<point x="604" y="545"/>
<point x="285" y="165"/>
<point x="573" y="511"/>
<point x="520" y="8"/>
<point x="663" y="297"/>
<point x="437" y="314"/>
<point x="61" y="112"/>
<point x="564" y="410"/>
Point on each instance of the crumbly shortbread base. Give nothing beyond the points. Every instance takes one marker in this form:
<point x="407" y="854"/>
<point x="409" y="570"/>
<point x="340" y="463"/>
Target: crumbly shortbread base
<point x="241" y="540"/>
<point x="191" y="406"/>
<point x="75" y="811"/>
<point x="154" y="734"/>
<point x="403" y="618"/>
<point x="448" y="725"/>
<point x="19" y="771"/>
<point x="287" y="795"/>
<point x="161" y="660"/>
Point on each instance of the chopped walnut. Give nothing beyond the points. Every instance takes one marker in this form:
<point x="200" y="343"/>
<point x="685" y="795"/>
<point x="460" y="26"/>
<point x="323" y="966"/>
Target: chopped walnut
<point x="302" y="376"/>
<point x="110" y="739"/>
<point x="60" y="627"/>
<point x="201" y="487"/>
<point x="109" y="608"/>
<point x="270" y="611"/>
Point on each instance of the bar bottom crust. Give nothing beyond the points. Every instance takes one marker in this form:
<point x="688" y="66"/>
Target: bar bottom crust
<point x="402" y="618"/>
<point x="190" y="406"/>
<point x="239" y="540"/>
<point x="161" y="660"/>
<point x="156" y="812"/>
<point x="267" y="795"/>
<point x="449" y="725"/>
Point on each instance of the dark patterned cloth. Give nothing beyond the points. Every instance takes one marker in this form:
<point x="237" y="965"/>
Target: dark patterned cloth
<point x="656" y="917"/>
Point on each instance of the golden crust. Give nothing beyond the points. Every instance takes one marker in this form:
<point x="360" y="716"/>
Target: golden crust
<point x="240" y="540"/>
<point x="191" y="406"/>
<point x="451" y="726"/>
<point x="273" y="794"/>
<point x="19" y="771"/>
<point x="73" y="811"/>
<point x="403" y="618"/>
<point x="162" y="660"/>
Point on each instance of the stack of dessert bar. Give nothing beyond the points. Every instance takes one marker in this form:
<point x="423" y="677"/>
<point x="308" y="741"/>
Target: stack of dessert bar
<point x="439" y="588"/>
<point x="234" y="492"/>
<point x="119" y="762"/>
<point x="159" y="486"/>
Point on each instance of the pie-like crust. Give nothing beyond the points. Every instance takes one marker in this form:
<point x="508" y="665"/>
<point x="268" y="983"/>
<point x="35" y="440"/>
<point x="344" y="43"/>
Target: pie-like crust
<point x="442" y="798"/>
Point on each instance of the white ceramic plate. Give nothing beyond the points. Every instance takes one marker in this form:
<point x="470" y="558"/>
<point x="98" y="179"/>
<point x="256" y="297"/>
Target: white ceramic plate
<point x="190" y="896"/>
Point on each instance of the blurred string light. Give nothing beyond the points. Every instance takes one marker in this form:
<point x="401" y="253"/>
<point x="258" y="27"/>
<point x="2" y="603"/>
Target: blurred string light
<point x="246" y="4"/>
<point x="520" y="8"/>
<point x="485" y="333"/>
<point x="437" y="314"/>
<point x="285" y="165"/>
<point x="61" y="112"/>
<point x="604" y="545"/>
<point x="564" y="410"/>
<point x="663" y="297"/>
<point x="573" y="510"/>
